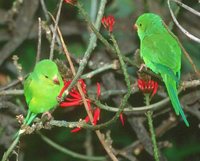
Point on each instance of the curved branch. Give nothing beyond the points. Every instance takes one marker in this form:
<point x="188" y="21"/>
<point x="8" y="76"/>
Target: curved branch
<point x="187" y="7"/>
<point x="69" y="152"/>
<point x="192" y="37"/>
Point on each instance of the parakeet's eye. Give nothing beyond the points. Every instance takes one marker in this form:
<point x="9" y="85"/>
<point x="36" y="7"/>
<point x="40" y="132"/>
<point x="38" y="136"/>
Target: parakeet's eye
<point x="140" y="24"/>
<point x="46" y="76"/>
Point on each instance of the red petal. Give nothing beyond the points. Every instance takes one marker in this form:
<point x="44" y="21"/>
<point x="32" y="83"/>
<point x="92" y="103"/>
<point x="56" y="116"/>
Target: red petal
<point x="96" y="116"/>
<point x="87" y="119"/>
<point x="121" y="118"/>
<point x="71" y="99"/>
<point x="76" y="130"/>
<point x="89" y="104"/>
<point x="66" y="84"/>
<point x="108" y="22"/>
<point x="141" y="84"/>
<point x="72" y="2"/>
<point x="83" y="86"/>
<point x="155" y="88"/>
<point x="98" y="90"/>
<point x="69" y="104"/>
<point x="75" y="94"/>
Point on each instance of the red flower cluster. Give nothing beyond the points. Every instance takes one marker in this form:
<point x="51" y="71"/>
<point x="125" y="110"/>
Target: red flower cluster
<point x="149" y="86"/>
<point x="74" y="99"/>
<point x="108" y="22"/>
<point x="72" y="2"/>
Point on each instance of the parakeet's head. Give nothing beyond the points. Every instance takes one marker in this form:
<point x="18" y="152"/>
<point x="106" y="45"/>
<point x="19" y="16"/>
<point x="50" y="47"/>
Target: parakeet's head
<point x="148" y="23"/>
<point x="47" y="71"/>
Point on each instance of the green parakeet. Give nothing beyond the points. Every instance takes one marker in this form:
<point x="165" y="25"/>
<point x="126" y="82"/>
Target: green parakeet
<point x="41" y="89"/>
<point x="161" y="52"/>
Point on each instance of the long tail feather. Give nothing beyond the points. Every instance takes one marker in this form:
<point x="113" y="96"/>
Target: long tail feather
<point x="28" y="120"/>
<point x="30" y="117"/>
<point x="172" y="92"/>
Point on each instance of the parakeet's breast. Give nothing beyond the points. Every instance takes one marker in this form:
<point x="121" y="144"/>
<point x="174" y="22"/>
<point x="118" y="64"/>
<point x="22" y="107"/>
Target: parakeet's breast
<point x="41" y="95"/>
<point x="44" y="97"/>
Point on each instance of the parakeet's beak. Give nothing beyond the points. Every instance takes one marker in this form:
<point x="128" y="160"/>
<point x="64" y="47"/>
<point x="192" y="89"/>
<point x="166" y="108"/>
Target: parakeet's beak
<point x="55" y="80"/>
<point x="135" y="27"/>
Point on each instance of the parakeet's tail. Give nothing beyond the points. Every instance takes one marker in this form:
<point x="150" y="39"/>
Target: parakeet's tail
<point x="28" y="120"/>
<point x="173" y="95"/>
<point x="29" y="117"/>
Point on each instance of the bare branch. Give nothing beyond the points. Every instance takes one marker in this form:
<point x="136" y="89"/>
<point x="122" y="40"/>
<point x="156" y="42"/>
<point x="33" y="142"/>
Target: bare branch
<point x="187" y="7"/>
<point x="189" y="35"/>
<point x="54" y="30"/>
<point x="39" y="40"/>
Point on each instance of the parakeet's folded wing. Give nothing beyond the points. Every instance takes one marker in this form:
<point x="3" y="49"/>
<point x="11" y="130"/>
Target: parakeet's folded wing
<point x="27" y="90"/>
<point x="162" y="49"/>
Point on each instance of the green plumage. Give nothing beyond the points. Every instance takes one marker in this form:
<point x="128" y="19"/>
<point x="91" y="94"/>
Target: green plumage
<point x="41" y="88"/>
<point x="161" y="53"/>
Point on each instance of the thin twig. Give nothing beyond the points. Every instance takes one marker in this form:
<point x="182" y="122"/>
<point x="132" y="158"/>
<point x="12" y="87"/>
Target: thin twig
<point x="88" y="145"/>
<point x="44" y="9"/>
<point x="187" y="7"/>
<point x="69" y="152"/>
<point x="192" y="37"/>
<point x="54" y="30"/>
<point x="99" y="70"/>
<point x="149" y="115"/>
<point x="11" y="148"/>
<point x="39" y="40"/>
<point x="13" y="83"/>
<point x="12" y="92"/>
<point x="153" y="137"/>
<point x="93" y="10"/>
<point x="131" y="109"/>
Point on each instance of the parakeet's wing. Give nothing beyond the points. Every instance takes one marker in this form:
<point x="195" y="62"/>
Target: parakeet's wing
<point x="27" y="88"/>
<point x="162" y="49"/>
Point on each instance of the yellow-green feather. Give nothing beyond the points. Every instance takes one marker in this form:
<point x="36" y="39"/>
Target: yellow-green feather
<point x="41" y="93"/>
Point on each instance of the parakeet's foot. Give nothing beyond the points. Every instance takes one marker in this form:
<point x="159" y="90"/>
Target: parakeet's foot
<point x="59" y="99"/>
<point x="47" y="116"/>
<point x="141" y="67"/>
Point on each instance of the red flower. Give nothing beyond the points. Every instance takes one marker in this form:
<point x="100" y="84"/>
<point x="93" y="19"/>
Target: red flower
<point x="108" y="22"/>
<point x="149" y="86"/>
<point x="74" y="99"/>
<point x="121" y="117"/>
<point x="98" y="90"/>
<point x="96" y="116"/>
<point x="72" y="2"/>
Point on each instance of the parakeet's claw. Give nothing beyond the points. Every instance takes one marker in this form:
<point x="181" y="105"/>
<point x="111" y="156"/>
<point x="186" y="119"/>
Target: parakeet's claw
<point x="20" y="118"/>
<point x="142" y="66"/>
<point x="59" y="99"/>
<point x="47" y="116"/>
